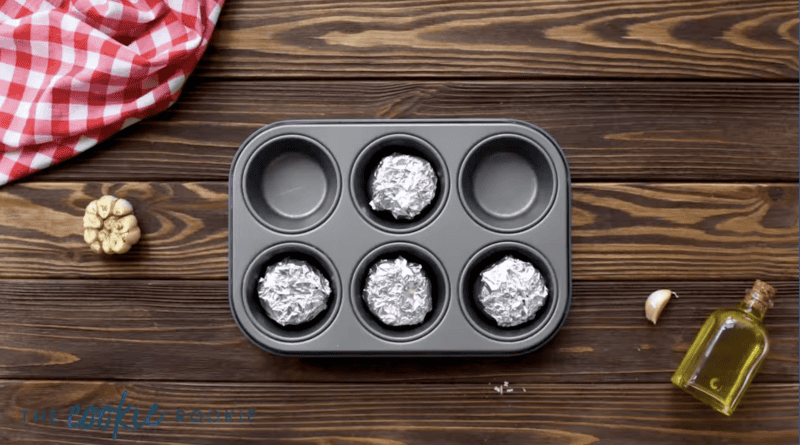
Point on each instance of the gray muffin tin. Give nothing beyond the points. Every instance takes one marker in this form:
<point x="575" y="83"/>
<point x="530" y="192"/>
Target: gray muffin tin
<point x="299" y="189"/>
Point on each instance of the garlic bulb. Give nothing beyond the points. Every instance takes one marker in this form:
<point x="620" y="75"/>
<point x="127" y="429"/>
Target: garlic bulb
<point x="109" y="225"/>
<point x="656" y="303"/>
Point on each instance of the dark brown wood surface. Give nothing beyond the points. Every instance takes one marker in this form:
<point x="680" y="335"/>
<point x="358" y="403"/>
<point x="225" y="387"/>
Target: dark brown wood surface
<point x="680" y="124"/>
<point x="562" y="414"/>
<point x="610" y="131"/>
<point x="183" y="331"/>
<point x="620" y="231"/>
<point x="508" y="39"/>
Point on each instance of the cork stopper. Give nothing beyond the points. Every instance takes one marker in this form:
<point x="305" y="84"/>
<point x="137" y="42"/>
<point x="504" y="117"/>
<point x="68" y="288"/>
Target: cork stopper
<point x="760" y="296"/>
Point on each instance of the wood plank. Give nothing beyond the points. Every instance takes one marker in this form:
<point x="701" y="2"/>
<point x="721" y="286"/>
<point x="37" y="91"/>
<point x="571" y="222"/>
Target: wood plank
<point x="400" y="414"/>
<point x="513" y="38"/>
<point x="692" y="231"/>
<point x="610" y="131"/>
<point x="184" y="230"/>
<point x="620" y="231"/>
<point x="171" y="330"/>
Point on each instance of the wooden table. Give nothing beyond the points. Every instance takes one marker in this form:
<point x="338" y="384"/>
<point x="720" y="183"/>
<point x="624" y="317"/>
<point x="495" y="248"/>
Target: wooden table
<point x="680" y="123"/>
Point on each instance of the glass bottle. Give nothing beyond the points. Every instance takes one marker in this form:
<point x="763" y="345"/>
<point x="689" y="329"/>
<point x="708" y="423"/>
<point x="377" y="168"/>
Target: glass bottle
<point x="728" y="352"/>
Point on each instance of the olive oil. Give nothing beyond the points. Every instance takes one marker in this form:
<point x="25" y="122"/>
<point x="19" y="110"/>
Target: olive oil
<point x="728" y="352"/>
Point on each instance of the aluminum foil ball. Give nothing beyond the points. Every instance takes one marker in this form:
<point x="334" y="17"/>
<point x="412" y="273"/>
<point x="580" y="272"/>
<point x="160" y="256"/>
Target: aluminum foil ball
<point x="293" y="292"/>
<point x="398" y="292"/>
<point x="512" y="291"/>
<point x="403" y="185"/>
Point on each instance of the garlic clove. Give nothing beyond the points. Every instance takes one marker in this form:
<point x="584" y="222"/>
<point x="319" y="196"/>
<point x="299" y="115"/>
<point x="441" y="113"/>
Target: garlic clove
<point x="109" y="223"/>
<point x="121" y="208"/>
<point x="125" y="224"/>
<point x="92" y="221"/>
<point x="92" y="208"/>
<point x="95" y="246"/>
<point x="656" y="303"/>
<point x="90" y="235"/>
<point x="106" y="246"/>
<point x="118" y="244"/>
<point x="105" y="204"/>
<point x="132" y="237"/>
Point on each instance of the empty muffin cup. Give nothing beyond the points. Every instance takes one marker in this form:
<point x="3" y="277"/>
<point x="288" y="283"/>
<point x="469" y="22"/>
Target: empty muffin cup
<point x="507" y="183"/>
<point x="291" y="183"/>
<point x="366" y="165"/>
<point x="253" y="304"/>
<point x="470" y="289"/>
<point x="439" y="291"/>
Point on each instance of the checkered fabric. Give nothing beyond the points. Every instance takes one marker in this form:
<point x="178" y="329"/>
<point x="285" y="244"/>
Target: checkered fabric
<point x="74" y="72"/>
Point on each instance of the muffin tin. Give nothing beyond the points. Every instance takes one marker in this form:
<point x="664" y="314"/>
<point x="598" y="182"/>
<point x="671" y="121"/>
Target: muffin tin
<point x="300" y="189"/>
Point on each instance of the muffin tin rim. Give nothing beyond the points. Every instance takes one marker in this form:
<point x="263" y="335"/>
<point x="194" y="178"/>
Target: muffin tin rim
<point x="471" y="262"/>
<point x="462" y="165"/>
<point x="248" y="163"/>
<point x="334" y="280"/>
<point x="355" y="296"/>
<point x="443" y="186"/>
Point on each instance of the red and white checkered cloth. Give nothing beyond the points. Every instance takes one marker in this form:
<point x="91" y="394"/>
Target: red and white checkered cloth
<point x="74" y="72"/>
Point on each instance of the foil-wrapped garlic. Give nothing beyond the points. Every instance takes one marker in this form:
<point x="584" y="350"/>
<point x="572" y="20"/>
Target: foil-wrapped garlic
<point x="512" y="291"/>
<point x="403" y="185"/>
<point x="110" y="226"/>
<point x="656" y="303"/>
<point x="398" y="292"/>
<point x="293" y="292"/>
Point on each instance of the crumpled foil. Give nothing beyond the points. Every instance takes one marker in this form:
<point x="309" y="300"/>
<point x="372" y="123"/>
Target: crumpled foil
<point x="403" y="185"/>
<point x="293" y="292"/>
<point x="512" y="291"/>
<point x="398" y="292"/>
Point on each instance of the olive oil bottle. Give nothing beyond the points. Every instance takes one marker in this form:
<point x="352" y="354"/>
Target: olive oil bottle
<point x="728" y="352"/>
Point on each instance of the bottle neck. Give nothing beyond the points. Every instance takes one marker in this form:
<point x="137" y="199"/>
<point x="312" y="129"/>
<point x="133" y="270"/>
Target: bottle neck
<point x="757" y="300"/>
<point x="755" y="310"/>
<point x="750" y="310"/>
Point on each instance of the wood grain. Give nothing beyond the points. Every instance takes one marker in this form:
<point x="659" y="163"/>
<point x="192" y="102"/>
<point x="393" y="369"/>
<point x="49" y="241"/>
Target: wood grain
<point x="184" y="230"/>
<point x="610" y="131"/>
<point x="403" y="414"/>
<point x="692" y="231"/>
<point x="171" y="330"/>
<point x="654" y="164"/>
<point x="514" y="38"/>
<point x="620" y="231"/>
